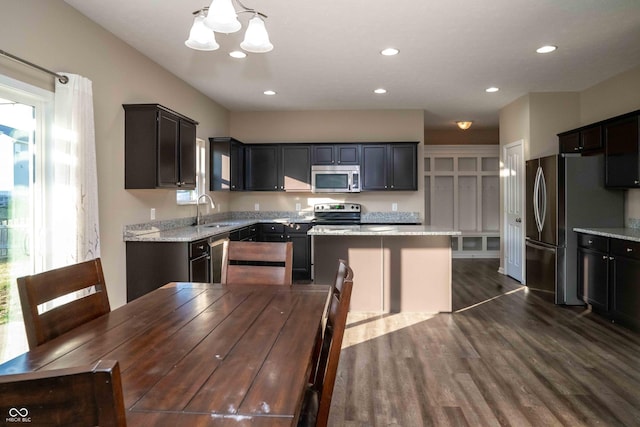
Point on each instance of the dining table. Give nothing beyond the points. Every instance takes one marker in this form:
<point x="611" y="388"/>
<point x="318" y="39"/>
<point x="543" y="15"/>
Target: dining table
<point x="201" y="354"/>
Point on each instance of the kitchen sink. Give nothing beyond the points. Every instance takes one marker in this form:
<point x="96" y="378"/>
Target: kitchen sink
<point x="220" y="224"/>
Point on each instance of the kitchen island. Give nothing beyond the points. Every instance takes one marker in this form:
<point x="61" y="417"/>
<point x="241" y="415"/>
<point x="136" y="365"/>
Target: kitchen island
<point x="396" y="267"/>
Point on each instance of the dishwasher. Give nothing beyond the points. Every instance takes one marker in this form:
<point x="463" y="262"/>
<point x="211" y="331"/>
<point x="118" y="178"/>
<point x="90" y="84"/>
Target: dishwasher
<point x="215" y="244"/>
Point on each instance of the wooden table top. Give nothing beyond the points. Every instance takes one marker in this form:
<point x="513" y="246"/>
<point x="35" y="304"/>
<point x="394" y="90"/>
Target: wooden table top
<point x="200" y="354"/>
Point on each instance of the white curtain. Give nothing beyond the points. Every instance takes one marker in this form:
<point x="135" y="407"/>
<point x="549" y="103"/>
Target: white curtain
<point x="71" y="184"/>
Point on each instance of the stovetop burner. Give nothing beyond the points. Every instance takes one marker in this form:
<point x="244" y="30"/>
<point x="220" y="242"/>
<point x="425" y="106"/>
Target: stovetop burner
<point x="337" y="213"/>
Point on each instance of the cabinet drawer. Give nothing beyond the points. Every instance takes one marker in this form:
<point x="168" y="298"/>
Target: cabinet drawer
<point x="199" y="248"/>
<point x="272" y="228"/>
<point x="625" y="248"/>
<point x="299" y="228"/>
<point x="597" y="243"/>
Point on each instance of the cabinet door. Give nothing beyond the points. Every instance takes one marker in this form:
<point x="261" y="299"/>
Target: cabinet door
<point x="625" y="295"/>
<point x="187" y="155"/>
<point x="403" y="167"/>
<point x="591" y="139"/>
<point x="569" y="143"/>
<point x="593" y="278"/>
<point x="297" y="234"/>
<point x="296" y="168"/>
<point x="621" y="153"/>
<point x="262" y="166"/>
<point x="348" y="154"/>
<point x="374" y="167"/>
<point x="168" y="137"/>
<point x="323" y="154"/>
<point x="200" y="269"/>
<point x="227" y="164"/>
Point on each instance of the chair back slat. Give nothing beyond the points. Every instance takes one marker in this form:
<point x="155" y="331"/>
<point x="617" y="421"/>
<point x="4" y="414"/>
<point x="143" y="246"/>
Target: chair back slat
<point x="82" y="396"/>
<point x="269" y="263"/>
<point x="39" y="289"/>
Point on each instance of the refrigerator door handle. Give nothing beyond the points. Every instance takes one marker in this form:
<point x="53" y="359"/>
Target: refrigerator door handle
<point x="543" y="190"/>
<point x="536" y="199"/>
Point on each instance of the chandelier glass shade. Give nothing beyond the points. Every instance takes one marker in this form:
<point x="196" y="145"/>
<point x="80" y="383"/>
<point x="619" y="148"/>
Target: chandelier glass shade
<point x="464" y="125"/>
<point x="201" y="37"/>
<point x="221" y="17"/>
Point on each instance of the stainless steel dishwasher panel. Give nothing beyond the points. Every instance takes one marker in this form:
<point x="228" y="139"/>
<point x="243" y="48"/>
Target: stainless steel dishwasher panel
<point x="216" y="243"/>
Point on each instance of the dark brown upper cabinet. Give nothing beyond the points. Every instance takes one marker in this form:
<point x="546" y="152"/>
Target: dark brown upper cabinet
<point x="227" y="164"/>
<point x="336" y="154"/>
<point x="160" y="148"/>
<point x="586" y="140"/>
<point x="390" y="167"/>
<point x="622" y="160"/>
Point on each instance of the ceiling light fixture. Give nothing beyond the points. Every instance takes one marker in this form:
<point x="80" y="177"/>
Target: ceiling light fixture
<point x="464" y="125"/>
<point x="492" y="89"/>
<point x="238" y="54"/>
<point x="221" y="17"/>
<point x="380" y="91"/>
<point x="390" y="51"/>
<point x="546" y="49"/>
<point x="269" y="92"/>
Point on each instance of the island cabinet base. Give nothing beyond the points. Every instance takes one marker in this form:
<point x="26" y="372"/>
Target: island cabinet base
<point x="391" y="273"/>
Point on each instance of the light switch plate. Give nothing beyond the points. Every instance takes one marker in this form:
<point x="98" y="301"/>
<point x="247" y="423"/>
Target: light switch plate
<point x="394" y="207"/>
<point x="152" y="214"/>
<point x="298" y="207"/>
<point x="256" y="207"/>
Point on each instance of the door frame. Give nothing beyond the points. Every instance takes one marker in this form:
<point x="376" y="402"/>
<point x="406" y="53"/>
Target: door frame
<point x="523" y="228"/>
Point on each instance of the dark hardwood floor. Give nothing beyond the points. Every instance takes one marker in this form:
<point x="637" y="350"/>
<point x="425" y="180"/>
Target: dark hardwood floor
<point x="504" y="357"/>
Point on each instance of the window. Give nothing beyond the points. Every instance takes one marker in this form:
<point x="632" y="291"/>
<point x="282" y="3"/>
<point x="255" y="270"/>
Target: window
<point x="25" y="122"/>
<point x="189" y="197"/>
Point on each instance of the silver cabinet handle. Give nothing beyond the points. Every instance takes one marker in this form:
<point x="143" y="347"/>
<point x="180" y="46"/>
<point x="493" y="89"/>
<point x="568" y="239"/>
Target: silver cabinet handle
<point x="611" y="258"/>
<point x="604" y="257"/>
<point x="590" y="242"/>
<point x="629" y="250"/>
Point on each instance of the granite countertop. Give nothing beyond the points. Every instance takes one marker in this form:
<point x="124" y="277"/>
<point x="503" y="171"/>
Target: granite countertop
<point x="381" y="230"/>
<point x="182" y="230"/>
<point x="632" y="234"/>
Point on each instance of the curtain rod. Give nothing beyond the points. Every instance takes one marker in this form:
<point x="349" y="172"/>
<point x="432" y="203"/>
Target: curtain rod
<point x="61" y="78"/>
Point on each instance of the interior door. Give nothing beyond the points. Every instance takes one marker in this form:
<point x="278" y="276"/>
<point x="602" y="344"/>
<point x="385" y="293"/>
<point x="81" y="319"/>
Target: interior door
<point x="513" y="210"/>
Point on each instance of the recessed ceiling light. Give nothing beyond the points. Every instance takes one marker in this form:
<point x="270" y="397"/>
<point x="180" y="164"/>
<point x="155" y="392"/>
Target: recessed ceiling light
<point x="546" y="49"/>
<point x="390" y="51"/>
<point x="492" y="89"/>
<point x="269" y="92"/>
<point x="237" y="54"/>
<point x="380" y="91"/>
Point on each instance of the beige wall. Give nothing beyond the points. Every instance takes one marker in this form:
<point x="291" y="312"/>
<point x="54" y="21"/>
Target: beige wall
<point x="331" y="126"/>
<point x="455" y="136"/>
<point x="618" y="95"/>
<point x="59" y="38"/>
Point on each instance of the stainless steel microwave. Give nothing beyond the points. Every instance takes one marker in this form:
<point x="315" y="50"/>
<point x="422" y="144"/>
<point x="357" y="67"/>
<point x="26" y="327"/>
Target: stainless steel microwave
<point x="335" y="179"/>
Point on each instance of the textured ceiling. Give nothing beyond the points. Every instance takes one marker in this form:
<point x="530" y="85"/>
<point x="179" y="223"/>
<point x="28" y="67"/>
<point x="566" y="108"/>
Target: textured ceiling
<point x="326" y="53"/>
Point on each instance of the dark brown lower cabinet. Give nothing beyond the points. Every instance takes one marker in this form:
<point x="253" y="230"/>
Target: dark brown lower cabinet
<point x="609" y="277"/>
<point x="296" y="233"/>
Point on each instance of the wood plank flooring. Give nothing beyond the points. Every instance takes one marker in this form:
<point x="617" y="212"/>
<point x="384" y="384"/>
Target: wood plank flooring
<point x="504" y="357"/>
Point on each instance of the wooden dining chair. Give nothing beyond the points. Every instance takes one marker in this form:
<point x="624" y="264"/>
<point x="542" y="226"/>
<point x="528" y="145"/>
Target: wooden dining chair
<point x="268" y="263"/>
<point x="40" y="290"/>
<point x="317" y="401"/>
<point x="343" y="272"/>
<point x="81" y="396"/>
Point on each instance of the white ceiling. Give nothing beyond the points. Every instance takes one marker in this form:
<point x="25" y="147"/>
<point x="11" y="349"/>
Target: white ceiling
<point x="326" y="53"/>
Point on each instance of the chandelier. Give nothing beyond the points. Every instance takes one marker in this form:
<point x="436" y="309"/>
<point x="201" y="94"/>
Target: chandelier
<point x="221" y="17"/>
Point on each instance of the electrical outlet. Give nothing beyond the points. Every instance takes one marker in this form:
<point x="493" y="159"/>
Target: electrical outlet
<point x="256" y="207"/>
<point x="298" y="207"/>
<point x="394" y="207"/>
<point x="152" y="214"/>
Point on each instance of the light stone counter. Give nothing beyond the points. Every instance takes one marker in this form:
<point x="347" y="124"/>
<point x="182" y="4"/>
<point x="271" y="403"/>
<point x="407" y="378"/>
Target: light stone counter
<point x="380" y="230"/>
<point x="632" y="234"/>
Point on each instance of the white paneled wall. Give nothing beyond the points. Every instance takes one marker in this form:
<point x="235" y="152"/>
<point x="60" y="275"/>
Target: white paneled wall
<point x="462" y="192"/>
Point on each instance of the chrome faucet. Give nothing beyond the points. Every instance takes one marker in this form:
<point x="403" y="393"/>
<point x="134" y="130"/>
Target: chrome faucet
<point x="213" y="205"/>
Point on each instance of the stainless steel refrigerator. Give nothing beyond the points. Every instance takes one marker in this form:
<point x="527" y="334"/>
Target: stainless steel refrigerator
<point x="563" y="192"/>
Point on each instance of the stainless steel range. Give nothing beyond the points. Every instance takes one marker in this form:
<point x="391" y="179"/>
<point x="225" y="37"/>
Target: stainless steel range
<point x="336" y="214"/>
